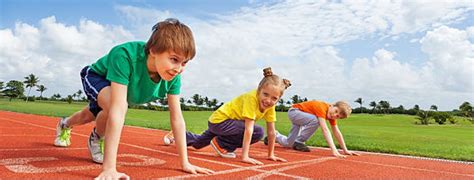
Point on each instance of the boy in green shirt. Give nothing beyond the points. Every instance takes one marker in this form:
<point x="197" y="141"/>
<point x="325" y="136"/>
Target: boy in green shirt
<point x="133" y="73"/>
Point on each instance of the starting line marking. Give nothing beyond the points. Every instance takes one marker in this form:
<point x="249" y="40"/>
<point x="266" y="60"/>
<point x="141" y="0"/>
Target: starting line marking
<point x="257" y="168"/>
<point x="22" y="165"/>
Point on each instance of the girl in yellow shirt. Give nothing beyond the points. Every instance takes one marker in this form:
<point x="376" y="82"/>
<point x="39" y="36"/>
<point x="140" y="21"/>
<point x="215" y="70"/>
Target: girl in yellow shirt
<point x="233" y="125"/>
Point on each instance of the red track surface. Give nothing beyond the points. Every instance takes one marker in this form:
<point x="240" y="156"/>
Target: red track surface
<point x="27" y="151"/>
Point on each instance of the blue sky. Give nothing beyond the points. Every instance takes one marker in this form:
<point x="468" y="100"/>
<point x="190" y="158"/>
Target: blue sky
<point x="29" y="11"/>
<point x="405" y="52"/>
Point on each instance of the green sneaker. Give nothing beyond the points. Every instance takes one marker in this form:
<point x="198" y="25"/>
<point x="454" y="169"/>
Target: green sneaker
<point x="63" y="135"/>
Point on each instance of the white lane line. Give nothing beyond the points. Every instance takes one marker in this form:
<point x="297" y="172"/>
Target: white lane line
<point x="257" y="168"/>
<point x="412" y="168"/>
<point x="380" y="154"/>
<point x="137" y="132"/>
<point x="42" y="149"/>
<point x="292" y="152"/>
<point x="24" y="135"/>
<point x="161" y="152"/>
<point x="297" y="165"/>
<point x="212" y="161"/>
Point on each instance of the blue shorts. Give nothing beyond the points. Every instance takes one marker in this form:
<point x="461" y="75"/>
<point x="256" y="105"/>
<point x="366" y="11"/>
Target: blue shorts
<point x="92" y="84"/>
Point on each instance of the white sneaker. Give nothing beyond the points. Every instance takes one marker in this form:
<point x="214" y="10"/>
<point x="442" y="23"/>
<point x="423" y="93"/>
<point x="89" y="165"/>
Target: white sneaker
<point x="168" y="139"/>
<point x="96" y="147"/>
<point x="63" y="135"/>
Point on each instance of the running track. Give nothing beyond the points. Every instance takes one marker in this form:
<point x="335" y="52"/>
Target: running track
<point x="27" y="152"/>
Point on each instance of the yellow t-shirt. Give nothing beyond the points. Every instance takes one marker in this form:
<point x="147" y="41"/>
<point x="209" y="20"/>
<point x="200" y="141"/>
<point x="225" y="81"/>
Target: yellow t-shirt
<point x="243" y="107"/>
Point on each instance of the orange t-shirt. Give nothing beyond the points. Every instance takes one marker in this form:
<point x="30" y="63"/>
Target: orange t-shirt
<point x="318" y="108"/>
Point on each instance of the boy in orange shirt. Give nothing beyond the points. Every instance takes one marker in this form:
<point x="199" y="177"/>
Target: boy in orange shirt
<point x="306" y="117"/>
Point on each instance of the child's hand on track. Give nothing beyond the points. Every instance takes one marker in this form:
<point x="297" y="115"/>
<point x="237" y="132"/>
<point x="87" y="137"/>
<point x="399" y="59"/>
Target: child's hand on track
<point x="339" y="155"/>
<point x="112" y="174"/>
<point x="196" y="169"/>
<point x="274" y="158"/>
<point x="352" y="153"/>
<point x="251" y="161"/>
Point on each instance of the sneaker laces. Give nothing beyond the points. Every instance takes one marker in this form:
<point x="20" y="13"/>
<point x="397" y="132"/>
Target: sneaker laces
<point x="65" y="134"/>
<point x="101" y="143"/>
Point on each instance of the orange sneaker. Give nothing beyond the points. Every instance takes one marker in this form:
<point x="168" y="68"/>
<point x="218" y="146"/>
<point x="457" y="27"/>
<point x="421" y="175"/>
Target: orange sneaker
<point x="221" y="151"/>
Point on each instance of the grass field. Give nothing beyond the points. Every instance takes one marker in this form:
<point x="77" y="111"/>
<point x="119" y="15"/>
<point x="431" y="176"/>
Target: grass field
<point x="396" y="134"/>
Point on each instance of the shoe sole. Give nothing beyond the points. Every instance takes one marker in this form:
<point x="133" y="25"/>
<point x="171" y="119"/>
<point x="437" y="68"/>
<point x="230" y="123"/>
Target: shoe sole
<point x="220" y="153"/>
<point x="61" y="145"/>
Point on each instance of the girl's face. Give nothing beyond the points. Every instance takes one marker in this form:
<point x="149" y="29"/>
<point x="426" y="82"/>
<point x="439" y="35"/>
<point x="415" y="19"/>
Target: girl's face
<point x="167" y="64"/>
<point x="333" y="113"/>
<point x="268" y="96"/>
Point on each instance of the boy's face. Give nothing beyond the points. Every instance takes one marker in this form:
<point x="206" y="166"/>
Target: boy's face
<point x="268" y="96"/>
<point x="168" y="64"/>
<point x="334" y="113"/>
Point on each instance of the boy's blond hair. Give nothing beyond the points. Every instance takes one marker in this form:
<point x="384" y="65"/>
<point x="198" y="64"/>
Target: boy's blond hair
<point x="344" y="109"/>
<point x="171" y="34"/>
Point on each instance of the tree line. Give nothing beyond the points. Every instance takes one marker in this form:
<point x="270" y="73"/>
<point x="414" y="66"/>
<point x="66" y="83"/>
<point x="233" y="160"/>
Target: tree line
<point x="16" y="89"/>
<point x="424" y="117"/>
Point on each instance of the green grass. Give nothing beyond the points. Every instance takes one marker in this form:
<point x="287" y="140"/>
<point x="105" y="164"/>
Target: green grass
<point x="396" y="134"/>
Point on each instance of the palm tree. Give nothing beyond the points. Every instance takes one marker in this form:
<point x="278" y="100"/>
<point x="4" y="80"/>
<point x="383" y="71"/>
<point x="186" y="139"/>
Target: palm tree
<point x="466" y="108"/>
<point x="359" y="101"/>
<point x="207" y="102"/>
<point x="384" y="105"/>
<point x="281" y="102"/>
<point x="57" y="96"/>
<point x="79" y="93"/>
<point x="295" y="99"/>
<point x="163" y="101"/>
<point x="41" y="89"/>
<point x="30" y="81"/>
<point x="214" y="102"/>
<point x="434" y="107"/>
<point x="73" y="96"/>
<point x="197" y="99"/>
<point x="373" y="104"/>
<point x="1" y="88"/>
<point x="416" y="107"/>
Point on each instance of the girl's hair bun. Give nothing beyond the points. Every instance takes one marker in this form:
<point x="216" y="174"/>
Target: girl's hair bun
<point x="267" y="71"/>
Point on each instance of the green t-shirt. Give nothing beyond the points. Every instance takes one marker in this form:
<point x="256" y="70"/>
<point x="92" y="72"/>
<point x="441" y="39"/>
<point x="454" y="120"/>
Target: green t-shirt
<point x="126" y="64"/>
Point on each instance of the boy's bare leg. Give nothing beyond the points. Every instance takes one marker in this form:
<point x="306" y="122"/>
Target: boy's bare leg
<point x="81" y="117"/>
<point x="104" y="102"/>
<point x="96" y="139"/>
<point x="101" y="122"/>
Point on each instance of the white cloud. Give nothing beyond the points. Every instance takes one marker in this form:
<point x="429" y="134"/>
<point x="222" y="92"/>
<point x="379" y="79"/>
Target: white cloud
<point x="296" y="38"/>
<point x="446" y="79"/>
<point x="451" y="55"/>
<point x="55" y="52"/>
